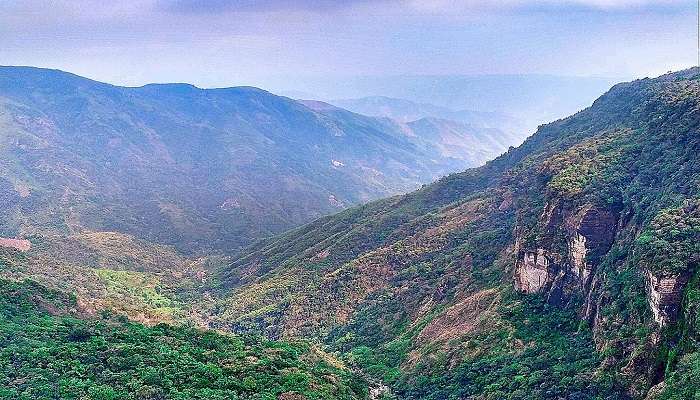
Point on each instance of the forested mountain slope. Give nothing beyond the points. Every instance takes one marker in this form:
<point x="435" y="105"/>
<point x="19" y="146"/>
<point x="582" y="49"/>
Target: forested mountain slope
<point x="194" y="168"/>
<point x="566" y="268"/>
<point x="50" y="349"/>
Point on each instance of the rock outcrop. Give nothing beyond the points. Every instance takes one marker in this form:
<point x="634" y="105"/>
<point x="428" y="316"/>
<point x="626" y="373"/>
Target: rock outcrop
<point x="591" y="234"/>
<point x="22" y="245"/>
<point x="563" y="271"/>
<point x="532" y="272"/>
<point x="665" y="293"/>
<point x="577" y="255"/>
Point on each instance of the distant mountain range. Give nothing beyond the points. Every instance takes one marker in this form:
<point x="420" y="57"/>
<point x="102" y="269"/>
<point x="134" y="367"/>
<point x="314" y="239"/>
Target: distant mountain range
<point x="202" y="169"/>
<point x="408" y="111"/>
<point x="530" y="99"/>
<point x="472" y="143"/>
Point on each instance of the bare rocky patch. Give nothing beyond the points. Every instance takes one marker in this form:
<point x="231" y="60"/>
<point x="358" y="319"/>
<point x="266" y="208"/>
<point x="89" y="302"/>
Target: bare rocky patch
<point x="22" y="245"/>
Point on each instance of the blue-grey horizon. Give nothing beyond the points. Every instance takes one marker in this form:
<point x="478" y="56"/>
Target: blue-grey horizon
<point x="270" y="43"/>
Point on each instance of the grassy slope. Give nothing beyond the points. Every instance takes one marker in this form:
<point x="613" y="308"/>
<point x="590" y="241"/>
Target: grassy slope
<point x="150" y="283"/>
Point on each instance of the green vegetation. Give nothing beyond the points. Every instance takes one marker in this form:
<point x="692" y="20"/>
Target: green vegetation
<point x="125" y="285"/>
<point x="539" y="351"/>
<point x="671" y="243"/>
<point x="47" y="352"/>
<point x="683" y="364"/>
<point x="585" y="164"/>
<point x="145" y="281"/>
<point x="416" y="291"/>
<point x="682" y="384"/>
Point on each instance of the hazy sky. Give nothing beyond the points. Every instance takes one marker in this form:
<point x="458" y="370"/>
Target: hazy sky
<point x="229" y="42"/>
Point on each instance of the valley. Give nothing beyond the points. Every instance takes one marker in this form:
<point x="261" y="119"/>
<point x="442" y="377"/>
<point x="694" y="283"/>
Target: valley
<point x="565" y="268"/>
<point x="349" y="200"/>
<point x="136" y="223"/>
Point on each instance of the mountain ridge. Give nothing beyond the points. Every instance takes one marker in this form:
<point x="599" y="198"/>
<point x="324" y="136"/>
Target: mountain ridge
<point x="435" y="292"/>
<point x="532" y="99"/>
<point x="202" y="154"/>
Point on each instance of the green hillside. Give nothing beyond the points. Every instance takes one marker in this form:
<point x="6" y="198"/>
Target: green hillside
<point x="566" y="268"/>
<point x="51" y="350"/>
<point x="200" y="169"/>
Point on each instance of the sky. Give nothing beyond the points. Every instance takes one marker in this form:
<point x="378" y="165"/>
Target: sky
<point x="270" y="43"/>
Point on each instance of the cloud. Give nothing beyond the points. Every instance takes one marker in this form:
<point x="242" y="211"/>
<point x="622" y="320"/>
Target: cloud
<point x="546" y="5"/>
<point x="613" y="4"/>
<point x="221" y="42"/>
<point x="411" y="6"/>
<point x="216" y="6"/>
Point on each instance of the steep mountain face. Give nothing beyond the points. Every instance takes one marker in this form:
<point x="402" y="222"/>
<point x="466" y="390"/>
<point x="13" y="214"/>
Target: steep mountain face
<point x="198" y="169"/>
<point x="566" y="268"/>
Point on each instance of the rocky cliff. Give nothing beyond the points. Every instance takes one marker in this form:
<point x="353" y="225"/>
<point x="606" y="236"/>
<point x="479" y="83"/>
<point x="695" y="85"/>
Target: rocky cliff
<point x="665" y="296"/>
<point x="573" y="240"/>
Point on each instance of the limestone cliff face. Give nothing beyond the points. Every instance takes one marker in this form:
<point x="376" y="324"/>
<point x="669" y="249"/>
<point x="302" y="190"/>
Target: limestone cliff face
<point x="561" y="272"/>
<point x="538" y="265"/>
<point x="559" y="259"/>
<point x="590" y="235"/>
<point x="533" y="272"/>
<point x="665" y="293"/>
<point x="577" y="252"/>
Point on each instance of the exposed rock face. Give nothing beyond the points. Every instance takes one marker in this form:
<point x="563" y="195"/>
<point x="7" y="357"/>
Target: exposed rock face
<point x="18" y="244"/>
<point x="665" y="295"/>
<point x="532" y="272"/>
<point x="588" y="232"/>
<point x="577" y="255"/>
<point x="591" y="234"/>
<point x="291" y="396"/>
<point x="378" y="392"/>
